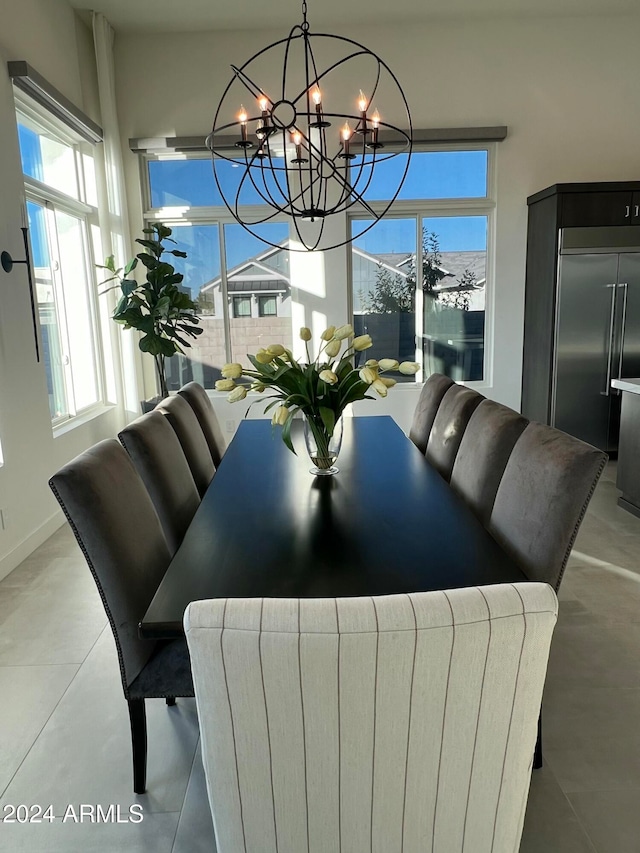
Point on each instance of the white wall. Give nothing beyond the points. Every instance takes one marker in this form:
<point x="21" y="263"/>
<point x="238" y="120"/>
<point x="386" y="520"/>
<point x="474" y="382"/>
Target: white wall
<point x="566" y="88"/>
<point x="47" y="34"/>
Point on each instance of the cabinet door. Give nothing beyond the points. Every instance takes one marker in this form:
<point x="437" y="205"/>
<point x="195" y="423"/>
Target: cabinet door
<point x="597" y="209"/>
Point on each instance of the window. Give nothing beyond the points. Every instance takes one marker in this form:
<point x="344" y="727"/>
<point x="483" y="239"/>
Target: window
<point x="267" y="306"/>
<point x="439" y="226"/>
<point x="61" y="209"/>
<point x="251" y="294"/>
<point x="241" y="306"/>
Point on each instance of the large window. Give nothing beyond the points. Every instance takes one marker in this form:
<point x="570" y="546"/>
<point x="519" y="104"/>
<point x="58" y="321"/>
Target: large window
<point x="251" y="294"/>
<point x="61" y="208"/>
<point x="419" y="275"/>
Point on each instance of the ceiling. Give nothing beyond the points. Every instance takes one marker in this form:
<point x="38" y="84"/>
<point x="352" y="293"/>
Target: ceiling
<point x="197" y="15"/>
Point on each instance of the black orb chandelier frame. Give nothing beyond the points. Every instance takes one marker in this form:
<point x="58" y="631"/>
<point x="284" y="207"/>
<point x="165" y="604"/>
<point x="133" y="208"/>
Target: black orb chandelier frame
<point x="317" y="175"/>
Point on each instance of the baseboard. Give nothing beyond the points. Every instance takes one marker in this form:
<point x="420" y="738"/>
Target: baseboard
<point x="22" y="550"/>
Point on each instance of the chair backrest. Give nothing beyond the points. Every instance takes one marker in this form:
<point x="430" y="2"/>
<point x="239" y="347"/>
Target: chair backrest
<point x="185" y="423"/>
<point x="431" y="396"/>
<point x="119" y="533"/>
<point x="158" y="457"/>
<point x="450" y="422"/>
<point x="542" y="498"/>
<point x="198" y="399"/>
<point x="484" y="451"/>
<point x="405" y="722"/>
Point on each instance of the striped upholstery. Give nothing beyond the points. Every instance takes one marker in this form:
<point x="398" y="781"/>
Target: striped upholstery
<point x="398" y="724"/>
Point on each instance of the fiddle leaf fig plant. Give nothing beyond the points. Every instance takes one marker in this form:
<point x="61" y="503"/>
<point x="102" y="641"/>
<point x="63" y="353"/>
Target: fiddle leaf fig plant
<point x="156" y="307"/>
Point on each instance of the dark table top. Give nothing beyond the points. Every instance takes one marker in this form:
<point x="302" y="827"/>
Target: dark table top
<point x="386" y="523"/>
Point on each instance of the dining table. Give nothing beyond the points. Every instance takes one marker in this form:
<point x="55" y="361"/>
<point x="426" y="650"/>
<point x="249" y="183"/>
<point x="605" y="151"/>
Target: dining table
<point x="386" y="523"/>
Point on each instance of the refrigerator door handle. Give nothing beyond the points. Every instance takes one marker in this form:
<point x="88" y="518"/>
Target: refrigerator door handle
<point x="607" y="390"/>
<point x="623" y="325"/>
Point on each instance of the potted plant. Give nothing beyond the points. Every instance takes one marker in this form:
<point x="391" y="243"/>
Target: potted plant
<point x="156" y="307"/>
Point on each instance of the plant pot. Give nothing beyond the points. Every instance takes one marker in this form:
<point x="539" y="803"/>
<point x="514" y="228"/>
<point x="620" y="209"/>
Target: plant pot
<point x="323" y="448"/>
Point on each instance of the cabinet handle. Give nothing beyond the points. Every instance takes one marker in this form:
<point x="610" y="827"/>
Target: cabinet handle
<point x="628" y="211"/>
<point x="637" y="213"/>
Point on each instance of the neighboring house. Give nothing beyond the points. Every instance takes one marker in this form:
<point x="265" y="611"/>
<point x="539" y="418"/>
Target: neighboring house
<point x="453" y="266"/>
<point x="259" y="287"/>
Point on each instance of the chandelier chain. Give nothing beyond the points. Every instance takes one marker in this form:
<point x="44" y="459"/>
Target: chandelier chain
<point x="305" y="23"/>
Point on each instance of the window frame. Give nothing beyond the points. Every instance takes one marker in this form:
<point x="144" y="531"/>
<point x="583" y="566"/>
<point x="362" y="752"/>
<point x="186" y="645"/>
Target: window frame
<point x="261" y="298"/>
<point x="401" y="208"/>
<point x="52" y="200"/>
<point x="420" y="209"/>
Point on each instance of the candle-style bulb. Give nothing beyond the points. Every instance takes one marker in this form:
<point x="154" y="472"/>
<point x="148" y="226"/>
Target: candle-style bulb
<point x="317" y="97"/>
<point x="297" y="137"/>
<point x="362" y="102"/>
<point x="346" y="131"/>
<point x="242" y="115"/>
<point x="264" y="103"/>
<point x="375" y="118"/>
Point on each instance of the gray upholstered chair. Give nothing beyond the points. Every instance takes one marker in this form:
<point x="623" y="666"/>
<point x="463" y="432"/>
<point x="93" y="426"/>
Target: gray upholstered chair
<point x="404" y="722"/>
<point x="187" y="427"/>
<point x="484" y="451"/>
<point x="449" y="424"/>
<point x="198" y="399"/>
<point x="119" y="533"/>
<point x="431" y="396"/>
<point x="153" y="446"/>
<point x="542" y="498"/>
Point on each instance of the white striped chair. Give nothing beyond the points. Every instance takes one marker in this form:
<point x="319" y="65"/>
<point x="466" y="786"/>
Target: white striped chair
<point x="398" y="724"/>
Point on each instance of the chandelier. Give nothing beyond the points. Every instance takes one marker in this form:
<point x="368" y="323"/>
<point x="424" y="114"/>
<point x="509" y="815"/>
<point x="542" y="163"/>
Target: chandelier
<point x="308" y="145"/>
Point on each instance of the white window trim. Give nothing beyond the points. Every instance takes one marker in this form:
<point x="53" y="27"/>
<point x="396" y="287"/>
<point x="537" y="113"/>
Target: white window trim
<point x="52" y="198"/>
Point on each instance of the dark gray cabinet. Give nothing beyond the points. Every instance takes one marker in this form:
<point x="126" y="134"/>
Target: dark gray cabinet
<point x="582" y="306"/>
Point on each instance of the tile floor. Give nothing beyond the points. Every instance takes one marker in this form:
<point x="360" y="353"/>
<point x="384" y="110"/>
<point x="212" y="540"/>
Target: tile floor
<point x="64" y="727"/>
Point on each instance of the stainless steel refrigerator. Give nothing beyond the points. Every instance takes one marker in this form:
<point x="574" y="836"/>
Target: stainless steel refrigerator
<point x="597" y="333"/>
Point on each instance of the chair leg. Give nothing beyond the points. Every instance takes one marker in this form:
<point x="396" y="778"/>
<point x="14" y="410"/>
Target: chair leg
<point x="171" y="700"/>
<point x="537" y="755"/>
<point x="138" y="719"/>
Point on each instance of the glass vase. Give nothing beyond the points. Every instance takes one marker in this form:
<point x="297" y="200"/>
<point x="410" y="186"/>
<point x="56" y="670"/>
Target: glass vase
<point x="323" y="448"/>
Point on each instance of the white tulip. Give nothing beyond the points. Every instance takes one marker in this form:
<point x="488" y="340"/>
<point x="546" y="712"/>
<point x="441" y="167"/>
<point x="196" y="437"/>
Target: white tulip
<point x="305" y="333"/>
<point x="343" y="332"/>
<point x="280" y="416"/>
<point x="225" y="385"/>
<point x="238" y="393"/>
<point x="263" y="357"/>
<point x="371" y="362"/>
<point x="329" y="377"/>
<point x="362" y="342"/>
<point x="380" y="387"/>
<point x="409" y="368"/>
<point x="368" y="375"/>
<point x="388" y="381"/>
<point x="275" y="349"/>
<point x="333" y="348"/>
<point x="388" y="364"/>
<point x="232" y="371"/>
<point x="328" y="333"/>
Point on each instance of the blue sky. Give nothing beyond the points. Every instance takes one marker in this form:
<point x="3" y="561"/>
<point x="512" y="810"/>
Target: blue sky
<point x="431" y="175"/>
